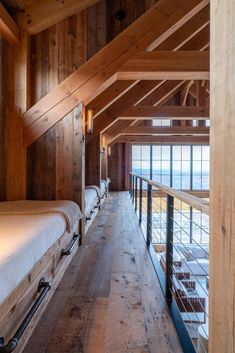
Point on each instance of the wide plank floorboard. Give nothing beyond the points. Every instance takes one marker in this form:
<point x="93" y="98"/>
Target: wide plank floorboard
<point x="109" y="300"/>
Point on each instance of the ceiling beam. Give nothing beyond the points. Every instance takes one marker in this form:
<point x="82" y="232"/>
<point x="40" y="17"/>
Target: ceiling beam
<point x="167" y="65"/>
<point x="193" y="35"/>
<point x="8" y="28"/>
<point x="143" y="112"/>
<point x="162" y="140"/>
<point x="165" y="130"/>
<point x="161" y="21"/>
<point x="46" y="13"/>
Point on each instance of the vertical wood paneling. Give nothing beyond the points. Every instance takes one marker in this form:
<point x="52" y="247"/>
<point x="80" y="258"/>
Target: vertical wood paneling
<point x="18" y="96"/>
<point x="59" y="174"/>
<point x="119" y="166"/>
<point x="93" y="162"/>
<point x="55" y="162"/>
<point x="3" y="100"/>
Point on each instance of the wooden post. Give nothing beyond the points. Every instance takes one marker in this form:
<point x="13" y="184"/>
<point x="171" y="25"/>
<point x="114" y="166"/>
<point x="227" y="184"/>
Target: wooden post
<point x="222" y="190"/>
<point x="18" y="103"/>
<point x="93" y="162"/>
<point x="3" y="104"/>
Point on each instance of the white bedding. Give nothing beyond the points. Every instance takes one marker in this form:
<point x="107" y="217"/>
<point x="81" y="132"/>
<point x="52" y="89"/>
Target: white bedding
<point x="103" y="187"/>
<point x="91" y="200"/>
<point x="24" y="239"/>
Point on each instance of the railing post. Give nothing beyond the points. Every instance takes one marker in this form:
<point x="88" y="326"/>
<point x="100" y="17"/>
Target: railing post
<point x="169" y="248"/>
<point x="136" y="192"/>
<point x="140" y="200"/>
<point x="133" y="188"/>
<point x="130" y="184"/>
<point x="149" y="215"/>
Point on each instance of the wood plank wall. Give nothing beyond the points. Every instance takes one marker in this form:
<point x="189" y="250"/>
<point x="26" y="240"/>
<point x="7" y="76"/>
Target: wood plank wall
<point x="55" y="167"/>
<point x="55" y="163"/>
<point x="119" y="166"/>
<point x="3" y="102"/>
<point x="103" y="26"/>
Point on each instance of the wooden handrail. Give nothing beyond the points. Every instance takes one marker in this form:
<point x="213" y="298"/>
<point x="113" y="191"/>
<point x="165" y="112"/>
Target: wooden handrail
<point x="193" y="201"/>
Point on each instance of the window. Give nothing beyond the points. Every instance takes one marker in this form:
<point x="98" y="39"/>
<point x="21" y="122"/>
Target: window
<point x="161" y="164"/>
<point x="182" y="167"/>
<point x="200" y="167"/>
<point x="162" y="122"/>
<point x="141" y="160"/>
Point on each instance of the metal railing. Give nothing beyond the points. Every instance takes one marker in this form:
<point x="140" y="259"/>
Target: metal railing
<point x="175" y="225"/>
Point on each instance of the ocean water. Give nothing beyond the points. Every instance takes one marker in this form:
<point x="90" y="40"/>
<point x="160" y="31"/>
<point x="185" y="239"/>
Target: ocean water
<point x="179" y="181"/>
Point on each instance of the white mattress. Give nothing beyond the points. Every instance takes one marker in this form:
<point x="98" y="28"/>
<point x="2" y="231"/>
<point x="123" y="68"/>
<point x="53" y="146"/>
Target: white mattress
<point x="103" y="187"/>
<point x="91" y="200"/>
<point x="24" y="239"/>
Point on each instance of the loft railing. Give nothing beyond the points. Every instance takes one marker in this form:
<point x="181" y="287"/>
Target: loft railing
<point x="175" y="225"/>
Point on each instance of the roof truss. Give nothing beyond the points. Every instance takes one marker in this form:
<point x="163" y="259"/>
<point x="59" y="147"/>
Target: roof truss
<point x="149" y="31"/>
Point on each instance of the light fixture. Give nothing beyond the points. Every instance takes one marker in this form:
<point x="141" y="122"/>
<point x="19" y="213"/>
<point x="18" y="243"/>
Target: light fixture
<point x="89" y="121"/>
<point x="109" y="151"/>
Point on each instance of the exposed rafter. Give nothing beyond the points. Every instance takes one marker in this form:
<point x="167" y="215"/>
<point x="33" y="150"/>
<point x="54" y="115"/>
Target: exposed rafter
<point x="143" y="112"/>
<point x="193" y="35"/>
<point x="45" y="13"/>
<point x="149" y="94"/>
<point x="162" y="130"/>
<point x="175" y="65"/>
<point x="8" y="28"/>
<point x="160" y="22"/>
<point x="163" y="140"/>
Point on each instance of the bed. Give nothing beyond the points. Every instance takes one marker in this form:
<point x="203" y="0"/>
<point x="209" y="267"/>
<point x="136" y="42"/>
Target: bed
<point x="104" y="187"/>
<point x="34" y="237"/>
<point x="92" y="200"/>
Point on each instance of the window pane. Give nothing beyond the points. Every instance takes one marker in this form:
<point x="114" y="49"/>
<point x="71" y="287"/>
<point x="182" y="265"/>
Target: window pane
<point x="177" y="153"/>
<point x="146" y="153"/>
<point x="156" y="152"/>
<point x="166" y="153"/>
<point x="136" y="152"/>
<point x="206" y="153"/>
<point x="197" y="153"/>
<point x="186" y="153"/>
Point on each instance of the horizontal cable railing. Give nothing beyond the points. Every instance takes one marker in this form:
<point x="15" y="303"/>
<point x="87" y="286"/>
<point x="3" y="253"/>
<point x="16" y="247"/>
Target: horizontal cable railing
<point x="175" y="225"/>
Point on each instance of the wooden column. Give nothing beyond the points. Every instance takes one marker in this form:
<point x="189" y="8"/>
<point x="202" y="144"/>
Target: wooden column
<point x="222" y="191"/>
<point x="18" y="103"/>
<point x="119" y="165"/>
<point x="3" y="103"/>
<point x="93" y="162"/>
<point x="201" y="98"/>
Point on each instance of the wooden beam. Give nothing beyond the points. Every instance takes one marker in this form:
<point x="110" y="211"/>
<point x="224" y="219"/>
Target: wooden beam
<point x="193" y="35"/>
<point x="162" y="130"/>
<point x="162" y="111"/>
<point x="45" y="13"/>
<point x="110" y="95"/>
<point x="222" y="191"/>
<point x="162" y="140"/>
<point x="161" y="21"/>
<point x="19" y="96"/>
<point x="8" y="28"/>
<point x="175" y="65"/>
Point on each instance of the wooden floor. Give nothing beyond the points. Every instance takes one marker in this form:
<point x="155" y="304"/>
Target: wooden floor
<point x="109" y="300"/>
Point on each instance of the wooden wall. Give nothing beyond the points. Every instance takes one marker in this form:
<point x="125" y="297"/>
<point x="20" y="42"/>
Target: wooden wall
<point x="222" y="191"/>
<point x="3" y="101"/>
<point x="13" y="102"/>
<point x="55" y="168"/>
<point x="119" y="166"/>
<point x="103" y="26"/>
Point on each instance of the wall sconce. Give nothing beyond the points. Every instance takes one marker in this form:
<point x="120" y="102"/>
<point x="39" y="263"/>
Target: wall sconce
<point x="103" y="141"/>
<point x="109" y="151"/>
<point x="89" y="121"/>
